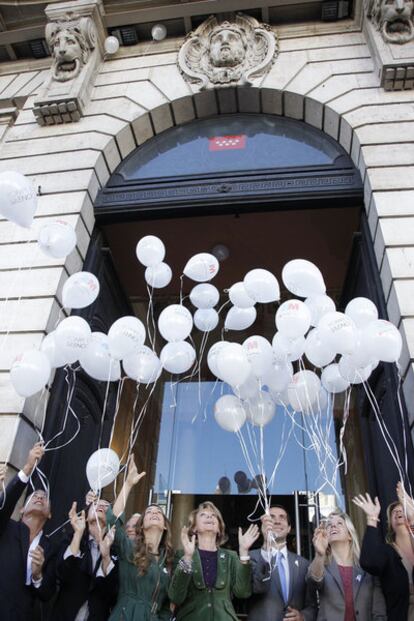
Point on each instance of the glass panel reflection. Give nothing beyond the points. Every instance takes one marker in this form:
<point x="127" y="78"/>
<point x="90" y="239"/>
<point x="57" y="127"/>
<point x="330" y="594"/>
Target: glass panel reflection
<point x="196" y="456"/>
<point x="230" y="143"/>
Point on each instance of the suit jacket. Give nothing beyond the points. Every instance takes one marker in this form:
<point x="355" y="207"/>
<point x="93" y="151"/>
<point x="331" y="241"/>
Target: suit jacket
<point x="267" y="602"/>
<point x="382" y="560"/>
<point x="16" y="599"/>
<point x="196" y="602"/>
<point x="369" y="604"/>
<point x="78" y="584"/>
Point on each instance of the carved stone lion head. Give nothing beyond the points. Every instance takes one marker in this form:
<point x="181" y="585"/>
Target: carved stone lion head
<point x="222" y="53"/>
<point x="70" y="44"/>
<point x="394" y="19"/>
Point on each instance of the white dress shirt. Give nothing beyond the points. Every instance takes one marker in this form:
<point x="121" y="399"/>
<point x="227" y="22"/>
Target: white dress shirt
<point x="270" y="557"/>
<point x="36" y="583"/>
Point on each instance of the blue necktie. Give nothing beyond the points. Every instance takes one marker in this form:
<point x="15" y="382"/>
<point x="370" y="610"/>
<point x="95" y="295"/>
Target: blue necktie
<point x="282" y="575"/>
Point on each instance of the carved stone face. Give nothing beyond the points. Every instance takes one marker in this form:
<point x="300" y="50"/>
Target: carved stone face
<point x="227" y="48"/>
<point x="396" y="20"/>
<point x="68" y="56"/>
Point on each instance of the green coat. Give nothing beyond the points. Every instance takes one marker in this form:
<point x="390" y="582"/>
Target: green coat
<point x="198" y="603"/>
<point x="136" y="601"/>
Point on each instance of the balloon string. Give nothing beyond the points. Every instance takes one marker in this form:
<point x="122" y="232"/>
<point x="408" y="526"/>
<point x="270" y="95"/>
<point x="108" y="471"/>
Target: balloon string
<point x="68" y="410"/>
<point x="401" y="410"/>
<point x="117" y="405"/>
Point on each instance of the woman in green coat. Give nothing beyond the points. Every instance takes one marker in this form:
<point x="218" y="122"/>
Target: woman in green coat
<point x="144" y="564"/>
<point x="207" y="576"/>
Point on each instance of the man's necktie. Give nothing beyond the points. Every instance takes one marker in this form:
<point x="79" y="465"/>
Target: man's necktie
<point x="282" y="575"/>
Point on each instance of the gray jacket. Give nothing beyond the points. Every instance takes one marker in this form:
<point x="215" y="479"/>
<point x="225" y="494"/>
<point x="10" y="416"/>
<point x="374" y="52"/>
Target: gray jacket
<point x="266" y="603"/>
<point x="369" y="604"/>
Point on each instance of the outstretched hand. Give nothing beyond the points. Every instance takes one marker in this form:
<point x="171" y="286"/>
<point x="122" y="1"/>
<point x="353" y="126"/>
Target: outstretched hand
<point x="406" y="502"/>
<point x="188" y="543"/>
<point x="35" y="455"/>
<point x="133" y="475"/>
<point x="371" y="508"/>
<point x="320" y="541"/>
<point x="78" y="522"/>
<point x="247" y="539"/>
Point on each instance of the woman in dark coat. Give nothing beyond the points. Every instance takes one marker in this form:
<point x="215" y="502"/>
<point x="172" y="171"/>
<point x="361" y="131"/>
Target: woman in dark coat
<point x="392" y="561"/>
<point x="207" y="576"/>
<point x="144" y="564"/>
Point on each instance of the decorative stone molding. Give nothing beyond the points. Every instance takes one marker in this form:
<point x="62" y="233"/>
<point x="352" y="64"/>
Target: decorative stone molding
<point x="227" y="52"/>
<point x="389" y="30"/>
<point x="75" y="35"/>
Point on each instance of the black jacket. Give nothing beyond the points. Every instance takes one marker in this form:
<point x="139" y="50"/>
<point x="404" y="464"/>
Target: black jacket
<point x="381" y="559"/>
<point x="16" y="599"/>
<point x="78" y="583"/>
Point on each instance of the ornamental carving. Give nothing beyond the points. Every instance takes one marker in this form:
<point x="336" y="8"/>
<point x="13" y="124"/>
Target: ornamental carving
<point x="71" y="43"/>
<point x="393" y="19"/>
<point x="229" y="52"/>
<point x="75" y="35"/>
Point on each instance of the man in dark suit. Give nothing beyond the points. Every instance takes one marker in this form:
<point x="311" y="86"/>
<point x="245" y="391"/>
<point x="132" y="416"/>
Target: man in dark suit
<point x="87" y="574"/>
<point x="279" y="576"/>
<point x="27" y="570"/>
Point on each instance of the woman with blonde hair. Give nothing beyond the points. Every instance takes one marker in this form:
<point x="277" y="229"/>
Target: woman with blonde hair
<point x="144" y="563"/>
<point x="207" y="576"/>
<point x="346" y="592"/>
<point x="392" y="561"/>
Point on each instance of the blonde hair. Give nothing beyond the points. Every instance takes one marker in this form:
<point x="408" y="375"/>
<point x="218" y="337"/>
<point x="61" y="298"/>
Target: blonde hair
<point x="221" y="537"/>
<point x="355" y="547"/>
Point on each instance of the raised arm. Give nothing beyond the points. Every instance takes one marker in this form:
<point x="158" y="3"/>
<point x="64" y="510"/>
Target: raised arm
<point x="316" y="570"/>
<point x="373" y="550"/>
<point x="132" y="479"/>
<point x="17" y="485"/>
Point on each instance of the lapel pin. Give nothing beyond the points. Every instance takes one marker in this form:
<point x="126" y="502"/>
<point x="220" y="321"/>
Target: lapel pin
<point x="359" y="577"/>
<point x="297" y="563"/>
<point x="222" y="555"/>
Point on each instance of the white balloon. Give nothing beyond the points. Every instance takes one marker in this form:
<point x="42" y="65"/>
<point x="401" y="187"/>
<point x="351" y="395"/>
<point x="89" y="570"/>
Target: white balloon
<point x="143" y="365"/>
<point x="382" y="340"/>
<point x="80" y="290"/>
<point x="212" y="356"/>
<point x="125" y="336"/>
<point x="240" y="318"/>
<point x="332" y="380"/>
<point x="278" y="377"/>
<point x="175" y="323"/>
<point x="202" y="267"/>
<point x="239" y="296"/>
<point x="303" y="390"/>
<point x="262" y="286"/>
<point x="351" y="373"/>
<point x="339" y="332"/>
<point x="320" y="404"/>
<point x="102" y="468"/>
<point x="319" y="305"/>
<point x="18" y="199"/>
<point x="362" y="311"/>
<point x="111" y="45"/>
<point x="158" y="276"/>
<point x="261" y="409"/>
<point x="177" y="357"/>
<point x="56" y="239"/>
<point x="72" y="337"/>
<point x="150" y="250"/>
<point x="204" y="295"/>
<point x="97" y="361"/>
<point x="361" y="356"/>
<point x="318" y="351"/>
<point x="229" y="413"/>
<point x="158" y="32"/>
<point x="30" y="372"/>
<point x="303" y="278"/>
<point x="48" y="346"/>
<point x="285" y="349"/>
<point x="259" y="353"/>
<point x="293" y="319"/>
<point x="233" y="365"/>
<point x="206" y="319"/>
<point x="248" y="390"/>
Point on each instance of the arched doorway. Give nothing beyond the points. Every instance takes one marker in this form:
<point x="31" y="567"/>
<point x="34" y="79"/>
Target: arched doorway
<point x="267" y="189"/>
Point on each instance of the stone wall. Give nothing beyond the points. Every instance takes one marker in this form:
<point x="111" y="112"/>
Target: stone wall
<point x="323" y="75"/>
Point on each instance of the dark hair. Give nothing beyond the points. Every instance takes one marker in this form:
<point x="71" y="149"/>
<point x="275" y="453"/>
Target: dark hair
<point x="289" y="521"/>
<point x="143" y="554"/>
<point x="390" y="534"/>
